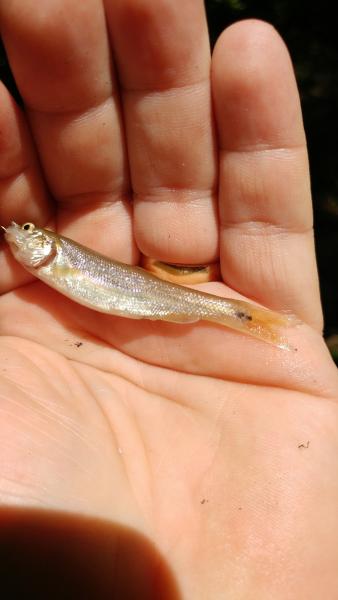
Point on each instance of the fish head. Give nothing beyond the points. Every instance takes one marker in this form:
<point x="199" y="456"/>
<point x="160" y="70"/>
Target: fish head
<point x="30" y="246"/>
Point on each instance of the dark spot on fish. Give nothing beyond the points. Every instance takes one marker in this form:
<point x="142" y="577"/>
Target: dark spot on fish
<point x="243" y="316"/>
<point x="78" y="344"/>
<point x="304" y="445"/>
<point x="204" y="501"/>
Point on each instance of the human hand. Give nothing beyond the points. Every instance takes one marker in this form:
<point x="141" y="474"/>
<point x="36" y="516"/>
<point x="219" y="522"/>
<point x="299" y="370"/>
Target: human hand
<point x="217" y="450"/>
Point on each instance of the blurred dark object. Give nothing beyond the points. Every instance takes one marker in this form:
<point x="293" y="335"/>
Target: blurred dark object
<point x="6" y="75"/>
<point x="309" y="30"/>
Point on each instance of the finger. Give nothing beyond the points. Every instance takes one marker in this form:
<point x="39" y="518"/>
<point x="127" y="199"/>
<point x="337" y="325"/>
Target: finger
<point x="267" y="248"/>
<point x="23" y="196"/>
<point x="60" y="57"/>
<point x="163" y="58"/>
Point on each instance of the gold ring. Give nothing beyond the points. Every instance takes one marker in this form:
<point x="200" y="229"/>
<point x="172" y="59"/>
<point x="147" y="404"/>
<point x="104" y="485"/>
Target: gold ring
<point x="184" y="274"/>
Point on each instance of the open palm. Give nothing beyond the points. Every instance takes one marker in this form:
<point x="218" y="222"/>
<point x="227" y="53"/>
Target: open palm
<point x="204" y="458"/>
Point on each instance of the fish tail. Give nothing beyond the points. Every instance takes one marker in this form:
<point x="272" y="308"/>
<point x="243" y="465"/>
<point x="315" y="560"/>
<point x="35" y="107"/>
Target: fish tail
<point x="260" y="323"/>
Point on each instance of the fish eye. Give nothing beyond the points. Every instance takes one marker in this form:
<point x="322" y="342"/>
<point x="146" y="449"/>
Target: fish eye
<point x="28" y="227"/>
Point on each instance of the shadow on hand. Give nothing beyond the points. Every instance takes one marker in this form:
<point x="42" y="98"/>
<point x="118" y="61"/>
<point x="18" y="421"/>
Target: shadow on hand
<point x="51" y="555"/>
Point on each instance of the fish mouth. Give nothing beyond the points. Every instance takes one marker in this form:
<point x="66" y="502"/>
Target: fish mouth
<point x="12" y="232"/>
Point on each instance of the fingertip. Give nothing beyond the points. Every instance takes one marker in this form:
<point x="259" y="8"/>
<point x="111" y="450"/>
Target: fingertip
<point x="246" y="38"/>
<point x="253" y="76"/>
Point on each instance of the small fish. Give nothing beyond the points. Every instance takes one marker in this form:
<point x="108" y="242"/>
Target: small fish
<point x="112" y="287"/>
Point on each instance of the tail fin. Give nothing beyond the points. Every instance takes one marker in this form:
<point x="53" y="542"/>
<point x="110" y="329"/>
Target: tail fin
<point x="258" y="322"/>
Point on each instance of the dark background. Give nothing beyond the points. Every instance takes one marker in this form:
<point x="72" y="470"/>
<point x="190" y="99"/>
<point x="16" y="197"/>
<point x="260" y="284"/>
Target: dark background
<point x="310" y="32"/>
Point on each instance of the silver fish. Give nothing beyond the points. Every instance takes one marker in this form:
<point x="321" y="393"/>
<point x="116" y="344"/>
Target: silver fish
<point x="115" y="288"/>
